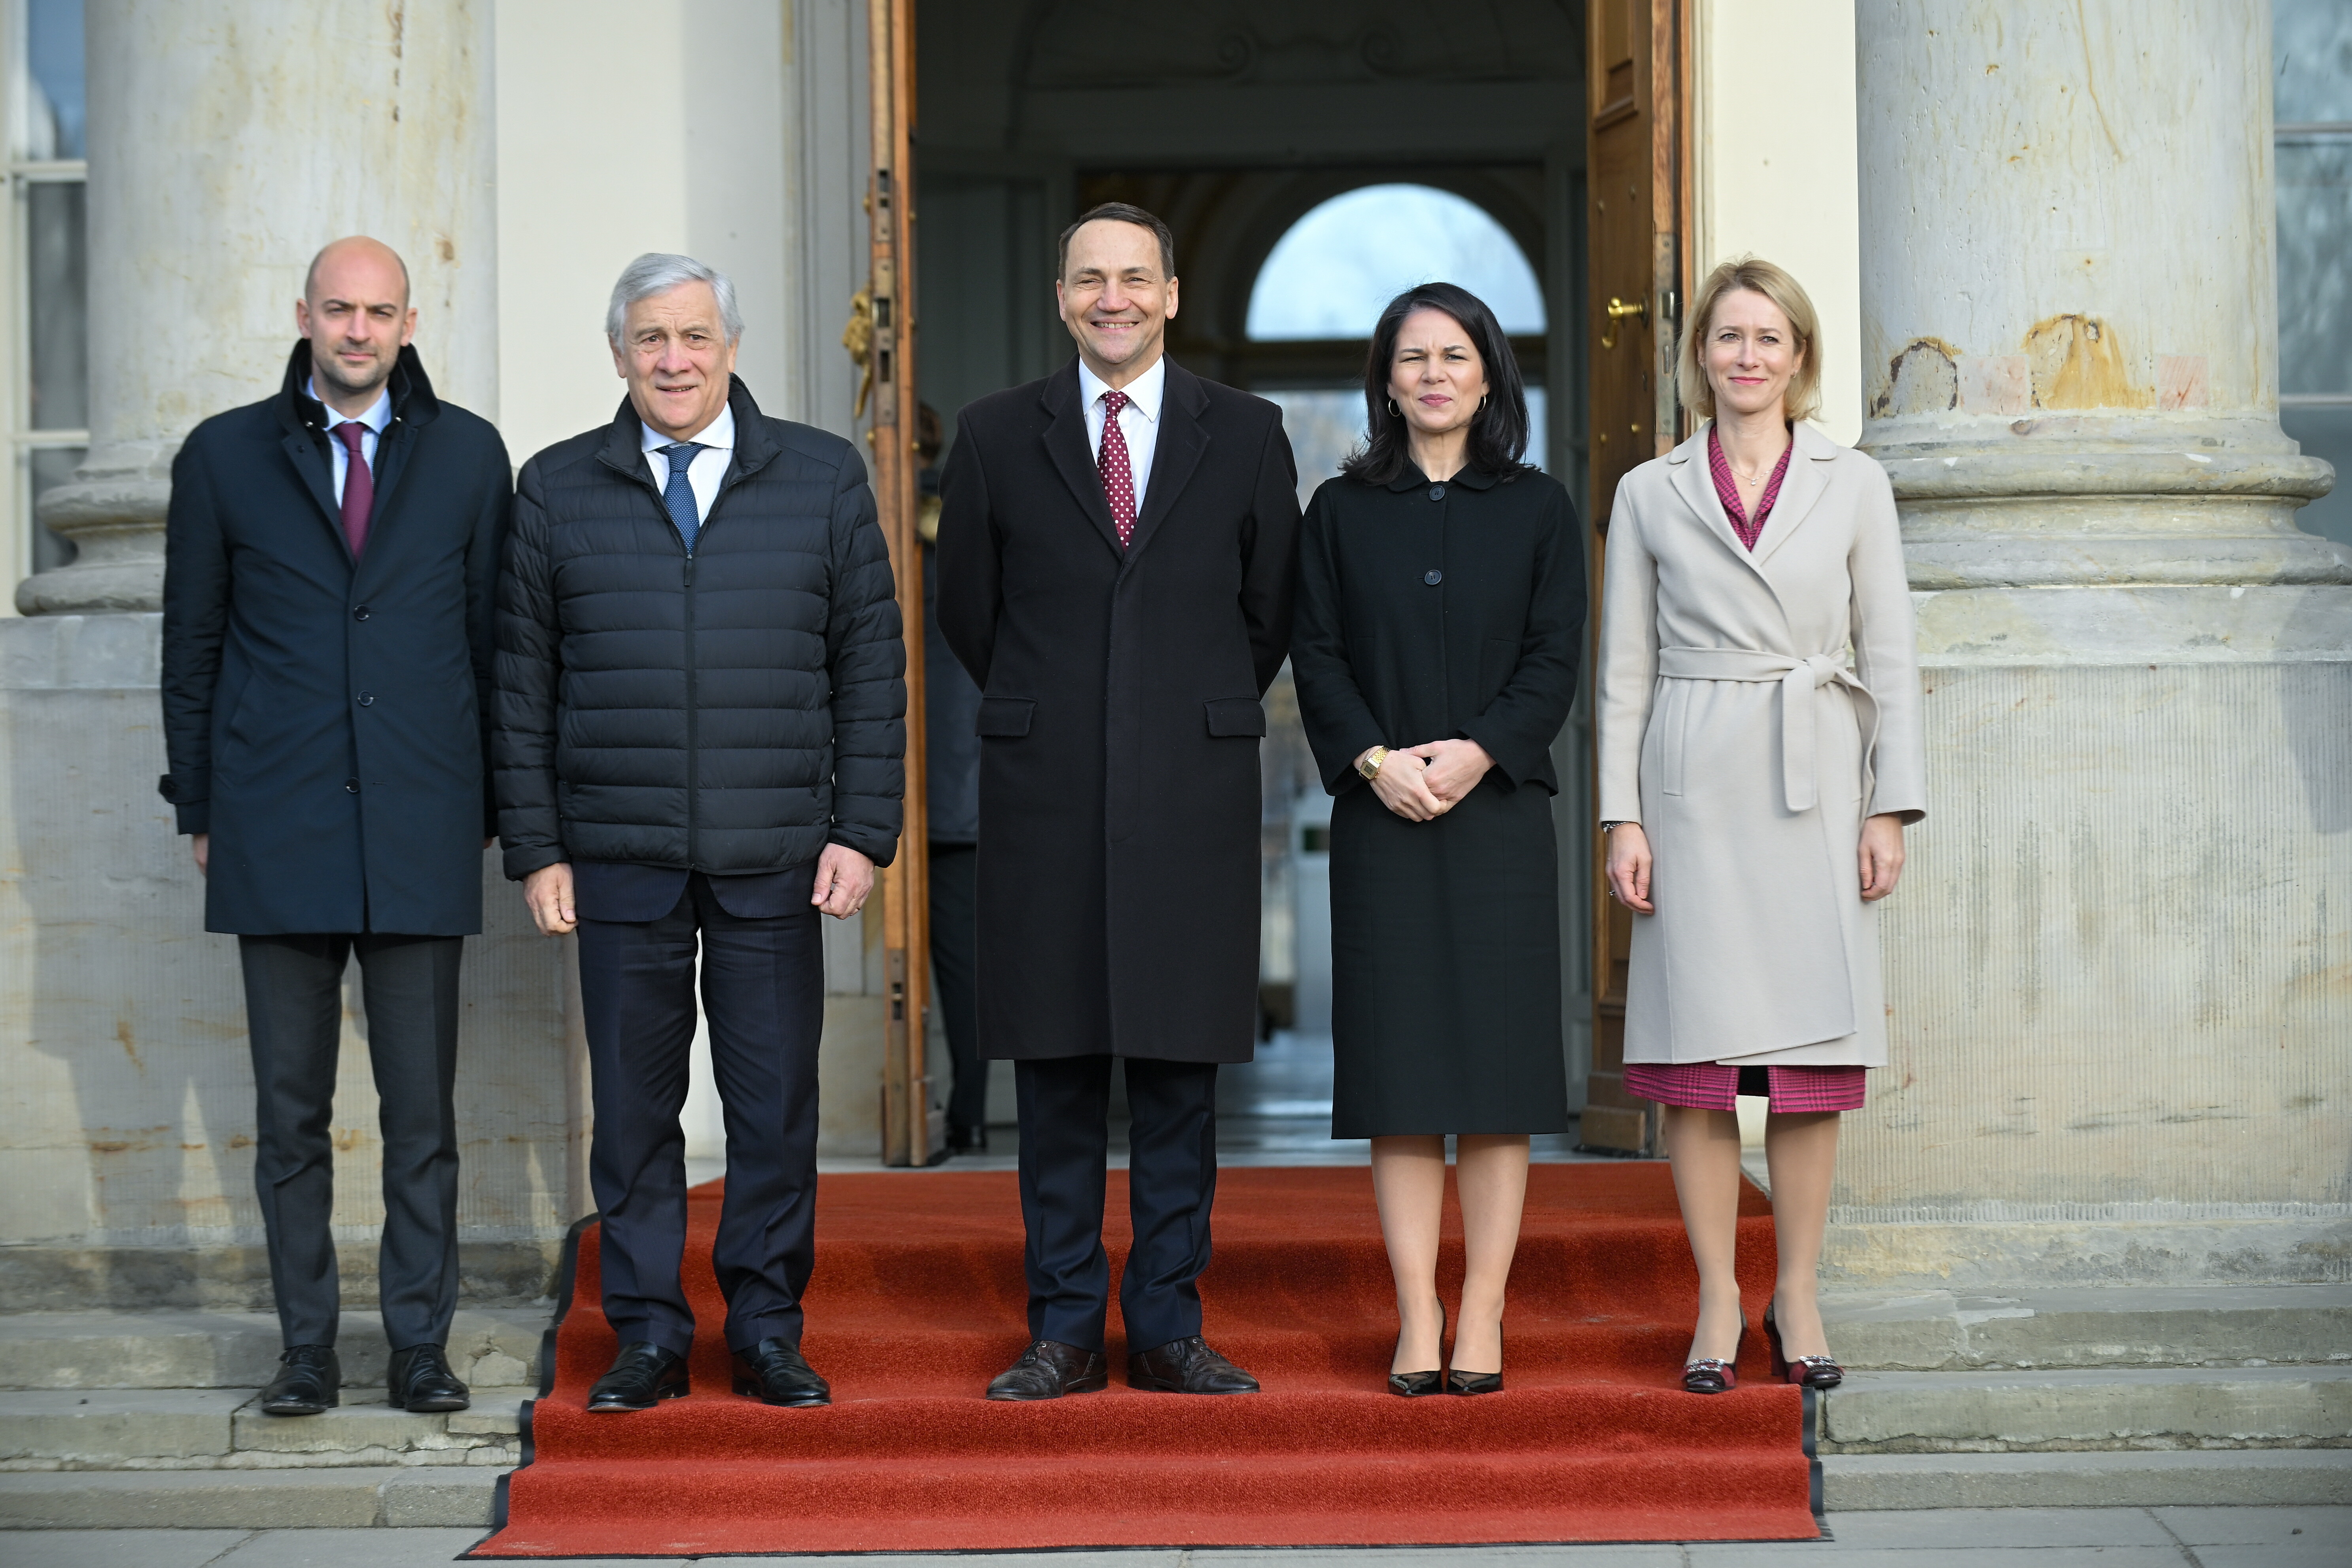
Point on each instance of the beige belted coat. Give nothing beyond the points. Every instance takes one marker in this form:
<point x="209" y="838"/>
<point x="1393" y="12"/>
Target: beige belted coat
<point x="1754" y="707"/>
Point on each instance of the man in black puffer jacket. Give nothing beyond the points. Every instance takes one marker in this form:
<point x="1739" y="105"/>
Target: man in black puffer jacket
<point x="700" y="728"/>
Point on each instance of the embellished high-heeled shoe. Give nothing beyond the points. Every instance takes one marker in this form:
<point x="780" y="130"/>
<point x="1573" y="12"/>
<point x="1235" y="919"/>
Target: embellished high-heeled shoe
<point x="1477" y="1382"/>
<point x="1806" y="1370"/>
<point x="1708" y="1375"/>
<point x="1416" y="1384"/>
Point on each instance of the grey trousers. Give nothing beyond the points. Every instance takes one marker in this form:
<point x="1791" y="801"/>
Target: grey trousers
<point x="294" y="1009"/>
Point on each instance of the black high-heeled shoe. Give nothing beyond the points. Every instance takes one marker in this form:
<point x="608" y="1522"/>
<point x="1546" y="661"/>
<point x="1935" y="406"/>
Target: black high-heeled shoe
<point x="1417" y="1384"/>
<point x="1475" y="1382"/>
<point x="1806" y="1370"/>
<point x="1708" y="1375"/>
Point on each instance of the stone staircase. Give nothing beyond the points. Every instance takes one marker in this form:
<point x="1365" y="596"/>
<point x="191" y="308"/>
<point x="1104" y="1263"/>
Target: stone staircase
<point x="2107" y="1397"/>
<point x="132" y="1419"/>
<point x="2055" y="1398"/>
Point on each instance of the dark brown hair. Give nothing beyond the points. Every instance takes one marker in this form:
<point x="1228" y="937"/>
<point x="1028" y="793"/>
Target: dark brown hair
<point x="1498" y="432"/>
<point x="1119" y="212"/>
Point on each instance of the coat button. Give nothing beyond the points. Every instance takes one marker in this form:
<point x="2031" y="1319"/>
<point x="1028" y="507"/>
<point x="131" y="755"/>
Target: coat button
<point x="1437" y="492"/>
<point x="1433" y="577"/>
<point x="351" y="786"/>
<point x="360" y="614"/>
<point x="367" y="699"/>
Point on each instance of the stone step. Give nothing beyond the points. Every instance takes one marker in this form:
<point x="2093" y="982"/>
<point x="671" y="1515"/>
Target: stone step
<point x="2268" y="1477"/>
<point x="2088" y="1409"/>
<point x="219" y="1428"/>
<point x="489" y="1346"/>
<point x="443" y="1495"/>
<point x="2217" y="1325"/>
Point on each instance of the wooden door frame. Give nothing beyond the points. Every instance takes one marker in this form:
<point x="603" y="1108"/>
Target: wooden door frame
<point x="1623" y="1125"/>
<point x="911" y="1133"/>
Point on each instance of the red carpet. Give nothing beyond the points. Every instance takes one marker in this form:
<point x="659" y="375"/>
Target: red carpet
<point x="918" y="1301"/>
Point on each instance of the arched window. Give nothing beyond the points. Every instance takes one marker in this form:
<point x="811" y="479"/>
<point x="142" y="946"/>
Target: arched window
<point x="1327" y="276"/>
<point x="1330" y="274"/>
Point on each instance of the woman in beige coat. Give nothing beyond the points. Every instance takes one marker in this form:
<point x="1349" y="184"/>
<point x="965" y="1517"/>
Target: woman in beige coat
<point x="1760" y="754"/>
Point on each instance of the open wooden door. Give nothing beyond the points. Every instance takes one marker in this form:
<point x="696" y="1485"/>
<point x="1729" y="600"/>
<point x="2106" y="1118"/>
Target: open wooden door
<point x="1636" y="180"/>
<point x="910" y="1134"/>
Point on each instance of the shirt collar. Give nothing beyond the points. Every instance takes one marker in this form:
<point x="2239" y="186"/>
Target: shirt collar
<point x="719" y="433"/>
<point x="1143" y="392"/>
<point x="378" y="415"/>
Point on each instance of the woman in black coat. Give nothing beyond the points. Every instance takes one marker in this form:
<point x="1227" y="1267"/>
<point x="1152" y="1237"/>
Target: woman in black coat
<point x="1441" y="608"/>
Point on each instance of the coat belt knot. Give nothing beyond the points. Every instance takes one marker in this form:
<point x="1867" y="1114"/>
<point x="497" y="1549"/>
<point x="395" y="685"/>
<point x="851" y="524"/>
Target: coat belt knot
<point x="1799" y="679"/>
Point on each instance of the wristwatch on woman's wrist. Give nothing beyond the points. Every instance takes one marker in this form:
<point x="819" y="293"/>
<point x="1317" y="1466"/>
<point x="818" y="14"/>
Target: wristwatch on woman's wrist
<point x="1368" y="764"/>
<point x="1607" y="825"/>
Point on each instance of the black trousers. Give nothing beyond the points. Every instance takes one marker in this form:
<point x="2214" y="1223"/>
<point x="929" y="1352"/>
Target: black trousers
<point x="763" y="994"/>
<point x="955" y="958"/>
<point x="1064" y="1109"/>
<point x="294" y="1016"/>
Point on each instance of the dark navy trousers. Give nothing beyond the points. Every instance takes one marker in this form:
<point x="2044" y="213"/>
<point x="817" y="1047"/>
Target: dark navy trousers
<point x="1172" y="1176"/>
<point x="763" y="994"/>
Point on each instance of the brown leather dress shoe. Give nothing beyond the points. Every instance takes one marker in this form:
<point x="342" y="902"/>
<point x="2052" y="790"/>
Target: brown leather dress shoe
<point x="1187" y="1366"/>
<point x="1048" y="1369"/>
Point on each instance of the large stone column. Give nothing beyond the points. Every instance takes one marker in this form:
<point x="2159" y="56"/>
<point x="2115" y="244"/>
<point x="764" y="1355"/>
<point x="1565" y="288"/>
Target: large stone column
<point x="2118" y="967"/>
<point x="228" y="139"/>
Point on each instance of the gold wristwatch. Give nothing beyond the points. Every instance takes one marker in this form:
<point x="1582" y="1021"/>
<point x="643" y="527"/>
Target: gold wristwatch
<point x="1370" y="766"/>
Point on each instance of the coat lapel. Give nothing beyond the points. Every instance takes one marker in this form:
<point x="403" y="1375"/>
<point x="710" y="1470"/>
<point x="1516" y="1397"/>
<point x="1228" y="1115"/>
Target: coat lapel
<point x="1800" y="488"/>
<point x="1065" y="443"/>
<point x="1175" y="454"/>
<point x="1695" y="485"/>
<point x="317" y="467"/>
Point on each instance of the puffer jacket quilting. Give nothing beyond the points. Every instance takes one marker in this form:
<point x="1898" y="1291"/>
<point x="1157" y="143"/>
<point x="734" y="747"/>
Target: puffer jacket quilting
<point x="730" y="710"/>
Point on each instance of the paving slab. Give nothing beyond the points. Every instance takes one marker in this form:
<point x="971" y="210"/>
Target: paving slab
<point x="1725" y="1554"/>
<point x="107" y="1427"/>
<point x="352" y="1497"/>
<point x="2258" y="1477"/>
<point x="2258" y="1526"/>
<point x="2006" y="1527"/>
<point x="365" y="1426"/>
<point x="2232" y="1325"/>
<point x="348" y="1548"/>
<point x="2105" y="1407"/>
<point x="116" y="1548"/>
<point x="200" y="1349"/>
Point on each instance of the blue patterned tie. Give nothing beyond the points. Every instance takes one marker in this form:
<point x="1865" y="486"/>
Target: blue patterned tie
<point x="678" y="495"/>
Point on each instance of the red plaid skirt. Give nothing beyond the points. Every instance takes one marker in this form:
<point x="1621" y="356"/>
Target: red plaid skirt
<point x="1711" y="1085"/>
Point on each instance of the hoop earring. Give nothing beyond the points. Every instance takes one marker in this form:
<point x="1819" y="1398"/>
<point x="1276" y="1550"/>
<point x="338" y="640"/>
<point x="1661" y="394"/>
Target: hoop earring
<point x="1394" y="412"/>
<point x="1482" y="402"/>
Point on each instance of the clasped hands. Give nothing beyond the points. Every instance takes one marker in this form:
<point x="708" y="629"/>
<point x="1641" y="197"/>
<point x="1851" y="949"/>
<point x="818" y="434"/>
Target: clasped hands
<point x="1422" y="783"/>
<point x="844" y="879"/>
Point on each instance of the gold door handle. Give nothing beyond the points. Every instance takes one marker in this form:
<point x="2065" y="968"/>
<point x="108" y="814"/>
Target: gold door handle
<point x="857" y="337"/>
<point x="1618" y="310"/>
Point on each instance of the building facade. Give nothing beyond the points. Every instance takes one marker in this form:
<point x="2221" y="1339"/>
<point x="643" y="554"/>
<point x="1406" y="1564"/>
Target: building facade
<point x="2083" y="290"/>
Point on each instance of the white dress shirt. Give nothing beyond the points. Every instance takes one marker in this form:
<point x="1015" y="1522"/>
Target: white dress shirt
<point x="1139" y="421"/>
<point x="378" y="416"/>
<point x="717" y="441"/>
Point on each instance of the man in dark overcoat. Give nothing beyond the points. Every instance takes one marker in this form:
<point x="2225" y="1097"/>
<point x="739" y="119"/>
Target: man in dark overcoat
<point x="1117" y="552"/>
<point x="701" y="734"/>
<point x="331" y="558"/>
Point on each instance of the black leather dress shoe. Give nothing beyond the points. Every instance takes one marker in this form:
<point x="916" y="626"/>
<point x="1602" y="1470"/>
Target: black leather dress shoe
<point x="772" y="1372"/>
<point x="967" y="1139"/>
<point x="309" y="1379"/>
<point x="1187" y="1366"/>
<point x="1048" y="1369"/>
<point x="421" y="1382"/>
<point x="643" y="1375"/>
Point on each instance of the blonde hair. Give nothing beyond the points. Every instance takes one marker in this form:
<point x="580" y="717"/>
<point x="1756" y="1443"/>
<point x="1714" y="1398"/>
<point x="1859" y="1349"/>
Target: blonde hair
<point x="1803" y="399"/>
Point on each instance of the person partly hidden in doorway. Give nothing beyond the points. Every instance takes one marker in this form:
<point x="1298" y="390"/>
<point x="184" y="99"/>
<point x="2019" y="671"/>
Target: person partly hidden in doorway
<point x="952" y="813"/>
<point x="1441" y="610"/>
<point x="1118" y="552"/>
<point x="1741" y="755"/>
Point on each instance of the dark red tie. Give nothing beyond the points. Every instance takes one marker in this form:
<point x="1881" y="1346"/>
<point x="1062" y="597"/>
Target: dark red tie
<point x="1118" y="474"/>
<point x="358" y="486"/>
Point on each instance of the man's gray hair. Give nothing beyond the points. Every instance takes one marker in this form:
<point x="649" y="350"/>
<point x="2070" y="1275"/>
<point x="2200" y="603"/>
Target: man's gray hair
<point x="658" y="272"/>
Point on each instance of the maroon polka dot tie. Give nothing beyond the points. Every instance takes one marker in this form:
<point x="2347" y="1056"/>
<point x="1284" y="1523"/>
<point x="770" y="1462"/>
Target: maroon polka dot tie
<point x="1118" y="474"/>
